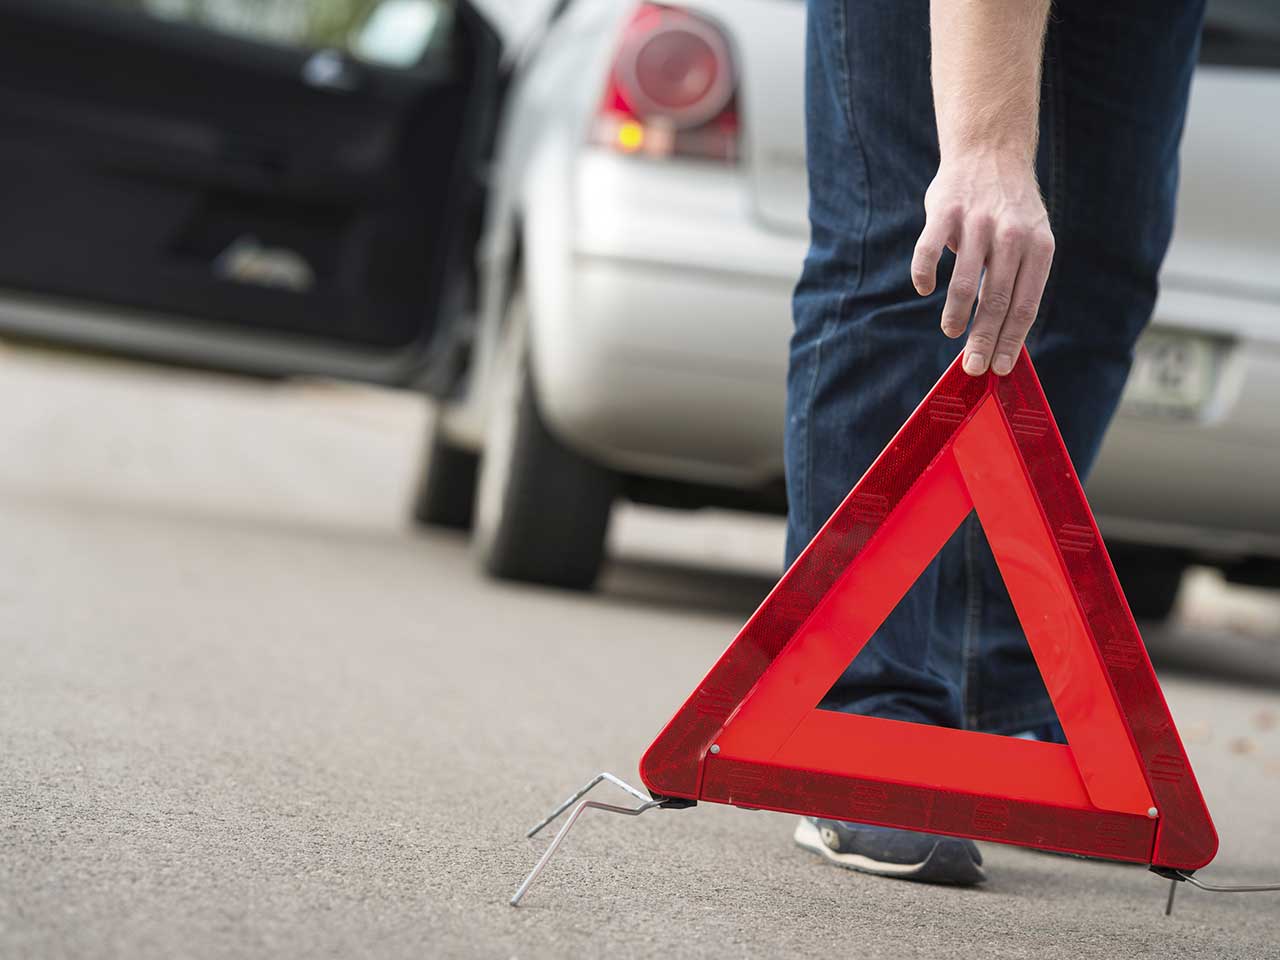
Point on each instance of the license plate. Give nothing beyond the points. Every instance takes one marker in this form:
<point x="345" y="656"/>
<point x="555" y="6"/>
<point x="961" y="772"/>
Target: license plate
<point x="1173" y="374"/>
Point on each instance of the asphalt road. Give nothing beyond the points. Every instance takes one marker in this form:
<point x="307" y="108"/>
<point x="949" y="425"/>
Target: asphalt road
<point x="246" y="711"/>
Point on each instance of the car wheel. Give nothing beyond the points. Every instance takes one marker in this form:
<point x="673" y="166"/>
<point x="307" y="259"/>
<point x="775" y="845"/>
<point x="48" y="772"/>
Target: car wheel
<point x="446" y="489"/>
<point x="1151" y="579"/>
<point x="542" y="510"/>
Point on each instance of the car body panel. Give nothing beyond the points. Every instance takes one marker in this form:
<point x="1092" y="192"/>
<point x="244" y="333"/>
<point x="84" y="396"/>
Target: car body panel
<point x="1225" y="238"/>
<point x="771" y="98"/>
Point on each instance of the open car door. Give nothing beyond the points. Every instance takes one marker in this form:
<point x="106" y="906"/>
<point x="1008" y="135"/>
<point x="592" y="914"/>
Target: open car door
<point x="266" y="185"/>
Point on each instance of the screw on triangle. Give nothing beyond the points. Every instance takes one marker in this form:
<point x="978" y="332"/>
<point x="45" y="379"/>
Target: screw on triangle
<point x="646" y="804"/>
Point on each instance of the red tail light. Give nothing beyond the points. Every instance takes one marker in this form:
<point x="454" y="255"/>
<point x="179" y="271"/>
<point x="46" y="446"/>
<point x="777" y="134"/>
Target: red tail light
<point x="672" y="89"/>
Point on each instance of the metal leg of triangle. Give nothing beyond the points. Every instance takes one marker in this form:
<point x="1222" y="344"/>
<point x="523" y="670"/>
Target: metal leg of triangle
<point x="646" y="805"/>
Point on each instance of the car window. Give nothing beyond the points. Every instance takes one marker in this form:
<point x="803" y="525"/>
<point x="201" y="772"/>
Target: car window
<point x="1242" y="33"/>
<point x="390" y="33"/>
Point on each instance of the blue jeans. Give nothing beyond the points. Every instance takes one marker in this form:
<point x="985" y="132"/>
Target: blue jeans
<point x="866" y="347"/>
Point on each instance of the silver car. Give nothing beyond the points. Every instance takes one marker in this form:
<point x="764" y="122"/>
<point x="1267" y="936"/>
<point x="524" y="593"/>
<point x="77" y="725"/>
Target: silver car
<point x="648" y="222"/>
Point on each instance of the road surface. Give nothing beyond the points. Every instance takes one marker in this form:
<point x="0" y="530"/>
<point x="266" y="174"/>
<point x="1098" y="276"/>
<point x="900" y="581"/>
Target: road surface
<point x="246" y="711"/>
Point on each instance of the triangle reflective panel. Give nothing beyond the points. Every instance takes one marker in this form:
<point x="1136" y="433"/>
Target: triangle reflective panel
<point x="751" y="733"/>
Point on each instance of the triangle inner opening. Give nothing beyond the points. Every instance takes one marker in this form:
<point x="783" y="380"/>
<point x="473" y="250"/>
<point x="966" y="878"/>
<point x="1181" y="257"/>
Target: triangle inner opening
<point x="780" y="721"/>
<point x="952" y="653"/>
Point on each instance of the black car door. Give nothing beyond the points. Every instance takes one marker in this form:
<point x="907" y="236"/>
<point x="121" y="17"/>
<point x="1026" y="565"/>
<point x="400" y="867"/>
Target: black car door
<point x="277" y="185"/>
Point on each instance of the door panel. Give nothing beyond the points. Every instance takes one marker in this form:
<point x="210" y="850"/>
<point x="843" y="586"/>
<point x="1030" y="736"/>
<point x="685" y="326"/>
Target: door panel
<point x="240" y="185"/>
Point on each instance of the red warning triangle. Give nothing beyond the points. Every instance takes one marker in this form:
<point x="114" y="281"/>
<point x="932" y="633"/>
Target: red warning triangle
<point x="751" y="733"/>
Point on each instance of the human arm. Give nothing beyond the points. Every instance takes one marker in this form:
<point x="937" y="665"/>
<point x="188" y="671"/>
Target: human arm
<point x="984" y="203"/>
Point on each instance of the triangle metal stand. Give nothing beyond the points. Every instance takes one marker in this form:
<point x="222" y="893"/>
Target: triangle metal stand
<point x="647" y="803"/>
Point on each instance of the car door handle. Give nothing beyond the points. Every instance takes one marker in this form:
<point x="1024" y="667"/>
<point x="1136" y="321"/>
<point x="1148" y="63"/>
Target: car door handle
<point x="331" y="69"/>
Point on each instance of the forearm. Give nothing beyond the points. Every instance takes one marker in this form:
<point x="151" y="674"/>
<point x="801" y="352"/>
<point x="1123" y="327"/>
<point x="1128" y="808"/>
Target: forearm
<point x="986" y="75"/>
<point x="984" y="203"/>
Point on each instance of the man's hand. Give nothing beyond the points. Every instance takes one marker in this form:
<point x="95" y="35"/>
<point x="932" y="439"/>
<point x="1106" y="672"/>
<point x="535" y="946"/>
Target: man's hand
<point x="987" y="209"/>
<point x="984" y="203"/>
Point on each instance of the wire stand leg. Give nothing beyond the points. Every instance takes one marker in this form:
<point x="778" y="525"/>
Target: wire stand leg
<point x="586" y="788"/>
<point x="1177" y="876"/>
<point x="568" y="825"/>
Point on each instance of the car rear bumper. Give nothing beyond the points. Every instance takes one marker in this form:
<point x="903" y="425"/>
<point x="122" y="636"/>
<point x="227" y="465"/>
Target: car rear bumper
<point x="667" y="357"/>
<point x="1209" y="485"/>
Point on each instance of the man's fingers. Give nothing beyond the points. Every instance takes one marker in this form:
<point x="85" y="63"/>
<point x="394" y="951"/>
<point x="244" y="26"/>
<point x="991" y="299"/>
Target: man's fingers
<point x="924" y="263"/>
<point x="1024" y="303"/>
<point x="974" y="243"/>
<point x="993" y="303"/>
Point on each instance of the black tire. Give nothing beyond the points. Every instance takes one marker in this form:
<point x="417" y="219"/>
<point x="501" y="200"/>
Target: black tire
<point x="1151" y="579"/>
<point x="446" y="491"/>
<point x="542" y="510"/>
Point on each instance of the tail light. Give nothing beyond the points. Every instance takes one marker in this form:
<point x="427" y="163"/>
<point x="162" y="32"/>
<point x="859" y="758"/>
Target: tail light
<point x="672" y="89"/>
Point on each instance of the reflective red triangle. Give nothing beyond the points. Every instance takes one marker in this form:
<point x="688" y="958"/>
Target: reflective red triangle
<point x="751" y="735"/>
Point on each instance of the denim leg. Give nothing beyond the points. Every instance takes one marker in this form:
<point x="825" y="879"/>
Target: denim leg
<point x="866" y="347"/>
<point x="1116" y="82"/>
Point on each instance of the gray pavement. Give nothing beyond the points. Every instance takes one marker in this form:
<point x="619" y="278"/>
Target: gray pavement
<point x="245" y="711"/>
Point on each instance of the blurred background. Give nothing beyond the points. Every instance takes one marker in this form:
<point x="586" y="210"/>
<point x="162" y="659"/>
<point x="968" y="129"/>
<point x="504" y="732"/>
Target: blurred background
<point x="330" y="326"/>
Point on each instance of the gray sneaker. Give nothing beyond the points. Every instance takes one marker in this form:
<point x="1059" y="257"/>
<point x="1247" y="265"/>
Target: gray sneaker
<point x="904" y="854"/>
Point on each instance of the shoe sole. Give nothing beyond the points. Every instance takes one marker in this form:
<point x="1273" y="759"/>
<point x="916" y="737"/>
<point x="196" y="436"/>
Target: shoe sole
<point x="948" y="862"/>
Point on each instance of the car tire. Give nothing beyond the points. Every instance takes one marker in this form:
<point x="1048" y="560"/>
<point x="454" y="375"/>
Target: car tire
<point x="1151" y="579"/>
<point x="446" y="491"/>
<point x="542" y="510"/>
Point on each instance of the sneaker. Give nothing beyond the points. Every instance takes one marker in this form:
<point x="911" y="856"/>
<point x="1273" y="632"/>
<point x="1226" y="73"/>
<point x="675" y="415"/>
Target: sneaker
<point x="886" y="852"/>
